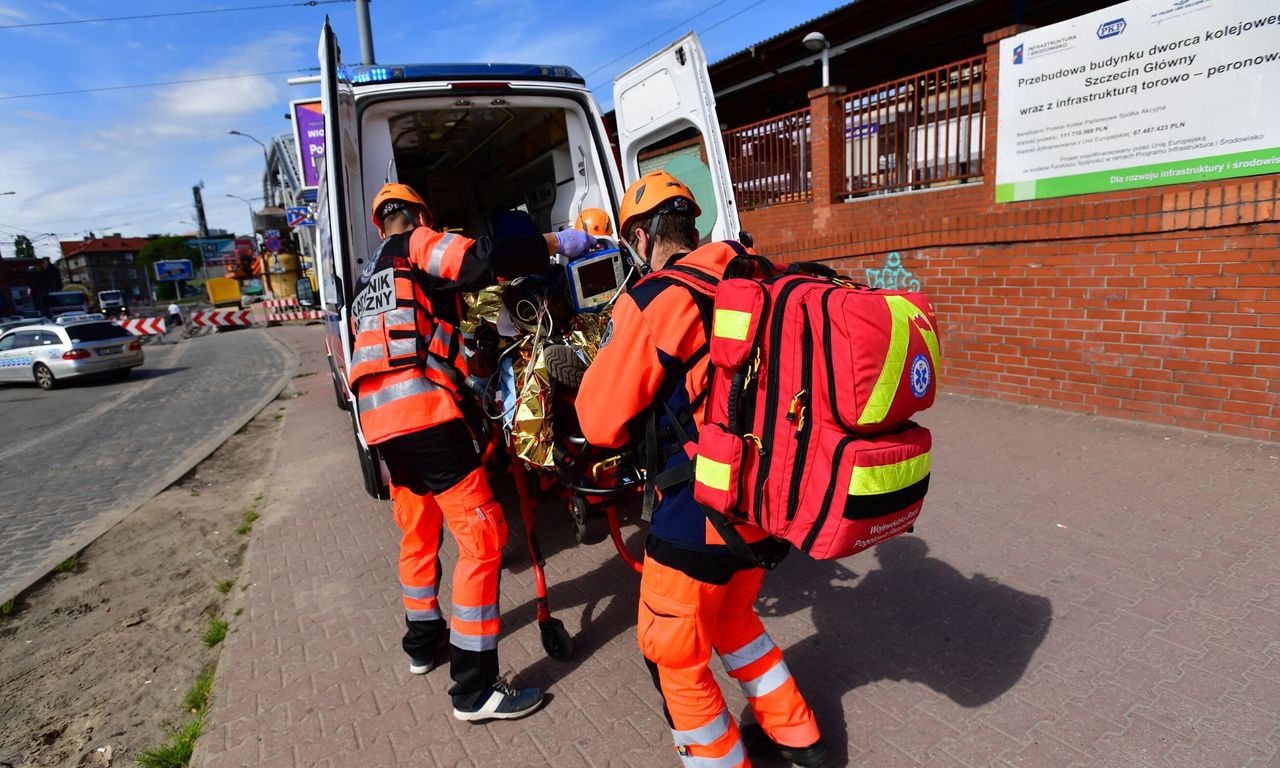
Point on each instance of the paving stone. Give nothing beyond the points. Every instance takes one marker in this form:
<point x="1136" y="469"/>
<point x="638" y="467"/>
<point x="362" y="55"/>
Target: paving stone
<point x="990" y="638"/>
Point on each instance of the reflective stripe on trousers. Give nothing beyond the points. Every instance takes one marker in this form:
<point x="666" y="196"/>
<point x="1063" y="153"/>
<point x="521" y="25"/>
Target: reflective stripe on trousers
<point x="766" y="681"/>
<point x="681" y="621"/>
<point x="420" y="603"/>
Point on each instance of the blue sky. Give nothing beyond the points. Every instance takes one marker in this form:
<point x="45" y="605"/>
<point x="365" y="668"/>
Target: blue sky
<point x="125" y="160"/>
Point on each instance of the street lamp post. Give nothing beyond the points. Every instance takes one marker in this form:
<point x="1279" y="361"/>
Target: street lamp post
<point x="266" y="158"/>
<point x="816" y="41"/>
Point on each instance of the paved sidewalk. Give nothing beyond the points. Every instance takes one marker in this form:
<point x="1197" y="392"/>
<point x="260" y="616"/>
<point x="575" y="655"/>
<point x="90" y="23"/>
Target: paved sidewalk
<point x="1080" y="592"/>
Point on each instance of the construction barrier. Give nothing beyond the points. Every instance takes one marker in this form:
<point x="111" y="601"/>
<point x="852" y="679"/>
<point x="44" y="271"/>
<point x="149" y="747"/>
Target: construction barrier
<point x="221" y="318"/>
<point x="302" y="314"/>
<point x="144" y="326"/>
<point x="284" y="303"/>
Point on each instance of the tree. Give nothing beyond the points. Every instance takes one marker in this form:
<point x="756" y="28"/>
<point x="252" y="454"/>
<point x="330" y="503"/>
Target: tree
<point x="169" y="248"/>
<point x="23" y="248"/>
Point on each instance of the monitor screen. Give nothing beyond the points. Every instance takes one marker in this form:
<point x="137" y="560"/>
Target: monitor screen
<point x="597" y="277"/>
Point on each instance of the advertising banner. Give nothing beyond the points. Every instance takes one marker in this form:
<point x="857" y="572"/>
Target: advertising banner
<point x="1141" y="94"/>
<point x="177" y="269"/>
<point x="308" y="134"/>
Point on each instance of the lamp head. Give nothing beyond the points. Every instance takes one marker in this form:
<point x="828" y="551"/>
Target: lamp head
<point x="816" y="41"/>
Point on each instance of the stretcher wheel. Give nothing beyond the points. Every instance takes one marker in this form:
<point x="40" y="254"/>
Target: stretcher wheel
<point x="578" y="511"/>
<point x="555" y="639"/>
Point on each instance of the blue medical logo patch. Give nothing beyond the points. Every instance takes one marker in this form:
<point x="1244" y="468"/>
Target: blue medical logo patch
<point x="921" y="376"/>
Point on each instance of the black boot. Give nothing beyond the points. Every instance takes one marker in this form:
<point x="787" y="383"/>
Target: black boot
<point x="757" y="741"/>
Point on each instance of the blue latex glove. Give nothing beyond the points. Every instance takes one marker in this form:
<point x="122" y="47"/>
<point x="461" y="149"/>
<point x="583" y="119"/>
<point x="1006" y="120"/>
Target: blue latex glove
<point x="572" y="243"/>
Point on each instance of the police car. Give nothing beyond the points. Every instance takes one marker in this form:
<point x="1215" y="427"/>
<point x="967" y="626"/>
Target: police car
<point x="76" y="345"/>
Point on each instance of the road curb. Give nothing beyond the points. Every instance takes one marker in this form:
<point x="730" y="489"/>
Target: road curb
<point x="193" y="456"/>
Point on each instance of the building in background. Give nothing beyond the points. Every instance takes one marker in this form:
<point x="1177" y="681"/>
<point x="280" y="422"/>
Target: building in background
<point x="106" y="264"/>
<point x="1146" y="289"/>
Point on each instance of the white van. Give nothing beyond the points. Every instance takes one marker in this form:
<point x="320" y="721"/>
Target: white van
<point x="482" y="140"/>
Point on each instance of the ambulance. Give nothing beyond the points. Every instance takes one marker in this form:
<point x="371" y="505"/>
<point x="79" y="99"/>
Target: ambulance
<point x="480" y="141"/>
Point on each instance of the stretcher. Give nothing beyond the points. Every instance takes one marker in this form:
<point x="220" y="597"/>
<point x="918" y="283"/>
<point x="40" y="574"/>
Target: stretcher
<point x="535" y="428"/>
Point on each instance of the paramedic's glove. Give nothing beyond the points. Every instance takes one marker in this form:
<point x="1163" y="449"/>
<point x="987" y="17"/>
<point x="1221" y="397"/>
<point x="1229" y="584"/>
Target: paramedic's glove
<point x="572" y="243"/>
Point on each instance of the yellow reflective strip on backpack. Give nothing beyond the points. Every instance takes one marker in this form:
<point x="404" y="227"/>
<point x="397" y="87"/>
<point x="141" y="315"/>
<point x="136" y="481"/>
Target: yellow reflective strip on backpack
<point x="870" y="481"/>
<point x="731" y="324"/>
<point x="902" y="312"/>
<point x="711" y="473"/>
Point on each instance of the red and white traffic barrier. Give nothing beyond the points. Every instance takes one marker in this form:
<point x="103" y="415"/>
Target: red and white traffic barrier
<point x="279" y="303"/>
<point x="221" y="318"/>
<point x="303" y="314"/>
<point x="144" y="326"/>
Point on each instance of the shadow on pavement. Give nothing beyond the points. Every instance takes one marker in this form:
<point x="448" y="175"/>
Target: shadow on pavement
<point x="914" y="618"/>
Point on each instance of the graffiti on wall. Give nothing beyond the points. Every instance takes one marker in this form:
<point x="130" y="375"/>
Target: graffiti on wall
<point x="892" y="275"/>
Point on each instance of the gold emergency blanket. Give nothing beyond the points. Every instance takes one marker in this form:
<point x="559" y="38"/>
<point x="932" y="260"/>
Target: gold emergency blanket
<point x="531" y="433"/>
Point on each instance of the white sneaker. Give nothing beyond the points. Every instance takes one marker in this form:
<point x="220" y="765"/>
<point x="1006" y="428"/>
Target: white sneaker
<point x="502" y="701"/>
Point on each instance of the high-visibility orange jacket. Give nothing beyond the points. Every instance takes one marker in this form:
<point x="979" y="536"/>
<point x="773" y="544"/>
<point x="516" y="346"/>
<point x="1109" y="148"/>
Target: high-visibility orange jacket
<point x="407" y="362"/>
<point x="657" y="350"/>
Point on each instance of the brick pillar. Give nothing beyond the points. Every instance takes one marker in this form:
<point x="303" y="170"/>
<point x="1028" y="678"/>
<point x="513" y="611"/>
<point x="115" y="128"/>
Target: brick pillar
<point x="991" y="88"/>
<point x="826" y="137"/>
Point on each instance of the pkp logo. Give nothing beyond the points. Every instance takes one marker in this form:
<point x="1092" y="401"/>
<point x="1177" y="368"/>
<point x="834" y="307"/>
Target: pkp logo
<point x="1111" y="28"/>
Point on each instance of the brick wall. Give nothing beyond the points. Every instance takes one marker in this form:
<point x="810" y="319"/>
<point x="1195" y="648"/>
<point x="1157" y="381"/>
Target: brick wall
<point x="1159" y="304"/>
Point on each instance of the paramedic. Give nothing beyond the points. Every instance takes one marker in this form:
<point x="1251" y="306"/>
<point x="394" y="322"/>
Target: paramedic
<point x="695" y="595"/>
<point x="406" y="370"/>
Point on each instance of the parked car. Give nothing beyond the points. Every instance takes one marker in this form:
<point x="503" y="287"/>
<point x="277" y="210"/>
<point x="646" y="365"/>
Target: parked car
<point x="49" y="353"/>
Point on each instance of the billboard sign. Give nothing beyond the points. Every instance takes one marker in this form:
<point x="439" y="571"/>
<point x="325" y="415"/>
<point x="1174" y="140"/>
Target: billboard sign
<point x="1141" y="94"/>
<point x="178" y="269"/>
<point x="308" y="135"/>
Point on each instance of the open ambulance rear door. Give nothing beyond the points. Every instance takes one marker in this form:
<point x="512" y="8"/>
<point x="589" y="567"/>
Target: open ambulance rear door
<point x="666" y="114"/>
<point x="341" y="236"/>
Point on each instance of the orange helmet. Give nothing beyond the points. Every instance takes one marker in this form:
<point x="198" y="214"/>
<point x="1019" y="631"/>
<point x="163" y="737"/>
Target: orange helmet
<point x="392" y="194"/>
<point x="656" y="192"/>
<point x="594" y="221"/>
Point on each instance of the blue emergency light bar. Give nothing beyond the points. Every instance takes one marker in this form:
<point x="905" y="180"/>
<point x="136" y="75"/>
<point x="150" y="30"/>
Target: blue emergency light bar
<point x="362" y="74"/>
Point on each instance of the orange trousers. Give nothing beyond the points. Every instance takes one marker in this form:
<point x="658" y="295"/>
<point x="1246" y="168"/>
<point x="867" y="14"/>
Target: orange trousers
<point x="682" y="620"/>
<point x="478" y="526"/>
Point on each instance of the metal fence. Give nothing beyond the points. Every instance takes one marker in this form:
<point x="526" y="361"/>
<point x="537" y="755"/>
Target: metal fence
<point x="769" y="161"/>
<point x="919" y="131"/>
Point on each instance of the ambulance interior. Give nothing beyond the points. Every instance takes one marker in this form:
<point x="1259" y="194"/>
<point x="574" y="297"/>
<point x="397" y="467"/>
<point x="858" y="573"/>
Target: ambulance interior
<point x="477" y="160"/>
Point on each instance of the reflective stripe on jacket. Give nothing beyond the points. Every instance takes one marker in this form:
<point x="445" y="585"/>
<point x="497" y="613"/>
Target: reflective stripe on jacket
<point x="407" y="362"/>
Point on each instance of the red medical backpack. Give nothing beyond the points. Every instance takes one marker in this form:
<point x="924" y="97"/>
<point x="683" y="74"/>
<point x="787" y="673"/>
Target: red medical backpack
<point x="813" y="384"/>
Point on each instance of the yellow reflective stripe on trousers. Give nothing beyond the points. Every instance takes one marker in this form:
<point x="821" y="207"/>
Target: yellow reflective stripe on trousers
<point x="731" y="324"/>
<point x="711" y="473"/>
<point x="869" y="481"/>
<point x="903" y="313"/>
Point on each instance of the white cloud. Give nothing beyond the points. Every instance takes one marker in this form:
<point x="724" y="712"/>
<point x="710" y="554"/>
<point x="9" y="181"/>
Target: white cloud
<point x="127" y="161"/>
<point x="11" y="13"/>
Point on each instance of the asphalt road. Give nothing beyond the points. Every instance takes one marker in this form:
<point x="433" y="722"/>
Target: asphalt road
<point x="76" y="460"/>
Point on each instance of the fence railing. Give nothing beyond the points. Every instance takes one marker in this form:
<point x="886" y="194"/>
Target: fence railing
<point x="769" y="161"/>
<point x="919" y="131"/>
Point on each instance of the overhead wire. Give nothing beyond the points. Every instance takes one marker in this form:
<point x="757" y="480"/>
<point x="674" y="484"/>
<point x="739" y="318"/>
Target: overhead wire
<point x="669" y="31"/>
<point x="306" y="3"/>
<point x="161" y="83"/>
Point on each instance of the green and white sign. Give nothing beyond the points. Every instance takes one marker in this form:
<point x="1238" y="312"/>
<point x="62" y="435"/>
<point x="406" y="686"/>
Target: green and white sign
<point x="1141" y="94"/>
